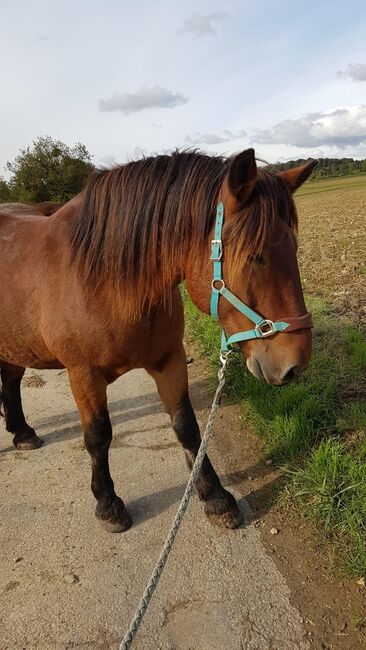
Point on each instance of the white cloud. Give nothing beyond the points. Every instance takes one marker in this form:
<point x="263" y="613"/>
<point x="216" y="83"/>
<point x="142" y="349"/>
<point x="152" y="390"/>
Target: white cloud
<point x="200" y="25"/>
<point x="213" y="138"/>
<point x="155" y="97"/>
<point x="339" y="127"/>
<point x="356" y="71"/>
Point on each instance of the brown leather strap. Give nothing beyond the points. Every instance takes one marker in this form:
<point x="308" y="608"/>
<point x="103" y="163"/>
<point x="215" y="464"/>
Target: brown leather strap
<point x="299" y="322"/>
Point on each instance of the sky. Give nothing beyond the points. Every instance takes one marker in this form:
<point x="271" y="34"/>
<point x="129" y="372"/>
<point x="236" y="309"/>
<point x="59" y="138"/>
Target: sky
<point x="131" y="78"/>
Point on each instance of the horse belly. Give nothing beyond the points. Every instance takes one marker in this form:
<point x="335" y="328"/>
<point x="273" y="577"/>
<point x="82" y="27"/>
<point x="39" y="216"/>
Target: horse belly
<point x="21" y="347"/>
<point x="21" y="342"/>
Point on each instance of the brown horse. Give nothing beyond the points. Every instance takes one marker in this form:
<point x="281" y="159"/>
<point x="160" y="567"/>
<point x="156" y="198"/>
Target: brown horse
<point x="45" y="207"/>
<point x="18" y="208"/>
<point x="48" y="207"/>
<point x="110" y="301"/>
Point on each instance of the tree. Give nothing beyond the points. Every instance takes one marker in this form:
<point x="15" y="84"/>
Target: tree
<point x="5" y="193"/>
<point x="329" y="166"/>
<point x="49" y="170"/>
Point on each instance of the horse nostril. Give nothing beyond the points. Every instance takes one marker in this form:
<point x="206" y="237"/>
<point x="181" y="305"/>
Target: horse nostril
<point x="291" y="374"/>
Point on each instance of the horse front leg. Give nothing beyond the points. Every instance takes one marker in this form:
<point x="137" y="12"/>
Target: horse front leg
<point x="90" y="392"/>
<point x="172" y="383"/>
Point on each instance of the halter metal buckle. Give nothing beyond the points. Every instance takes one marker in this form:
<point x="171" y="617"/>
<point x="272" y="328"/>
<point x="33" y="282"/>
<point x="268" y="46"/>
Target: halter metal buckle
<point x="216" y="242"/>
<point x="265" y="328"/>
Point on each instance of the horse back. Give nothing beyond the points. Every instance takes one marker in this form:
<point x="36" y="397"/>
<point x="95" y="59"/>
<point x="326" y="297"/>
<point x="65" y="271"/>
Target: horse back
<point x="18" y="208"/>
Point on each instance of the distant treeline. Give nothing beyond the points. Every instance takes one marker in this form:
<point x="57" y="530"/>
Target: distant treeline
<point x="329" y="166"/>
<point x="50" y="170"/>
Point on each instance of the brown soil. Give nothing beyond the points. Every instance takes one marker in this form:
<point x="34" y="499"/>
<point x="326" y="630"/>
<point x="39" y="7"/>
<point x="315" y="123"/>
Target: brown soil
<point x="332" y="247"/>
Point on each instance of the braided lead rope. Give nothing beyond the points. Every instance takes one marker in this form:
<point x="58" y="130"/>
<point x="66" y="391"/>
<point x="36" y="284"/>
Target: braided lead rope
<point x="155" y="577"/>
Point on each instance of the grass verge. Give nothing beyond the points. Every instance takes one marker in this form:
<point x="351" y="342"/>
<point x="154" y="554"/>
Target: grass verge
<point x="315" y="427"/>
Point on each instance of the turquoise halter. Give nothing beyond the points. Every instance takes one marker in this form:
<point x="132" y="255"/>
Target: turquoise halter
<point x="263" y="326"/>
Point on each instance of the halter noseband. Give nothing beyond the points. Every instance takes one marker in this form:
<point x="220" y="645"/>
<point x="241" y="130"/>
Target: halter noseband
<point x="263" y="326"/>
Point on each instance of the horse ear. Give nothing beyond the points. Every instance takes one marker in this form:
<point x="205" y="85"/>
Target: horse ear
<point x="298" y="175"/>
<point x="242" y="175"/>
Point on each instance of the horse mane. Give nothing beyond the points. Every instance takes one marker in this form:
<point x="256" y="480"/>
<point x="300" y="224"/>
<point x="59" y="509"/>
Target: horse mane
<point x="140" y="222"/>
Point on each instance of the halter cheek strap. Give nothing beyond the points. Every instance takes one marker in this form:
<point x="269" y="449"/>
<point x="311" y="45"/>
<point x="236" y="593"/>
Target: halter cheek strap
<point x="263" y="326"/>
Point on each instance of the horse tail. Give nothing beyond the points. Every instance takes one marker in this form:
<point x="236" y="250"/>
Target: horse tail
<point x="1" y="401"/>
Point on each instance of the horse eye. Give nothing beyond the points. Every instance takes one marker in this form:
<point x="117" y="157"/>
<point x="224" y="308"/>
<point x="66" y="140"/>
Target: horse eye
<point x="258" y="259"/>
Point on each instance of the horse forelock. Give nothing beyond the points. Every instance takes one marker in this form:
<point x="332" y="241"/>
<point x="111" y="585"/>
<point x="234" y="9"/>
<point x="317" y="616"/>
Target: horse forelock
<point x="270" y="204"/>
<point x="140" y="222"/>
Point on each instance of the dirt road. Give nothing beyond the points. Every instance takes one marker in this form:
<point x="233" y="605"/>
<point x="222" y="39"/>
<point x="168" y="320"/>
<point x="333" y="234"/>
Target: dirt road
<point x="66" y="583"/>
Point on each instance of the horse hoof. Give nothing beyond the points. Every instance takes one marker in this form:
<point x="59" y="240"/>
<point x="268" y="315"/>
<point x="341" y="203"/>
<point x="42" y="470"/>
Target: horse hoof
<point x="31" y="442"/>
<point x="116" y="526"/>
<point x="223" y="511"/>
<point x="227" y="520"/>
<point x="113" y="515"/>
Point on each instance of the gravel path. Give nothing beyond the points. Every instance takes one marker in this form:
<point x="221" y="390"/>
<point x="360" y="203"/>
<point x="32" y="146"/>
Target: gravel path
<point x="66" y="583"/>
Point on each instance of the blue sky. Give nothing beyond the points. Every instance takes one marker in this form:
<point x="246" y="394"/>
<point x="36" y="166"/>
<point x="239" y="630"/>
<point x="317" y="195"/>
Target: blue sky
<point x="124" y="78"/>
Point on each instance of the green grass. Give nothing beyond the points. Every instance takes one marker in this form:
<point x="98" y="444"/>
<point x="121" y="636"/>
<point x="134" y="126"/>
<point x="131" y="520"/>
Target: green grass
<point x="332" y="183"/>
<point x="315" y="427"/>
<point x="331" y="488"/>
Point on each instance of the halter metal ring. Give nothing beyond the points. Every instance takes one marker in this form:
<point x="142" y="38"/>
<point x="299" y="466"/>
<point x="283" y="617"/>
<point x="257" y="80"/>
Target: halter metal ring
<point x="214" y="282"/>
<point x="265" y="328"/>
